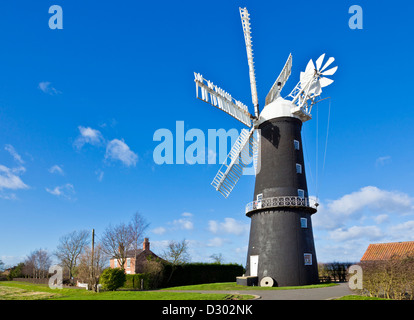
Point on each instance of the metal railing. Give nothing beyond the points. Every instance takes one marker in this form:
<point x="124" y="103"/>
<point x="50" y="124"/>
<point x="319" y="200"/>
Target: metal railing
<point x="287" y="201"/>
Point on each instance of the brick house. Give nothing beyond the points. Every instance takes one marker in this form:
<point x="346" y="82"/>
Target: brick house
<point x="384" y="251"/>
<point x="136" y="263"/>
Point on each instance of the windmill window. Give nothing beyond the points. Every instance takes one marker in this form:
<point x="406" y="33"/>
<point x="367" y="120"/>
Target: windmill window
<point x="301" y="193"/>
<point x="296" y="143"/>
<point x="298" y="168"/>
<point x="115" y="263"/>
<point x="129" y="263"/>
<point x="303" y="223"/>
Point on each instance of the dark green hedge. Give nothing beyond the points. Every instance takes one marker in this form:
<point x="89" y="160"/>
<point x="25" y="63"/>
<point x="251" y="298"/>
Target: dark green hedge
<point x="133" y="281"/>
<point x="198" y="273"/>
<point x="188" y="274"/>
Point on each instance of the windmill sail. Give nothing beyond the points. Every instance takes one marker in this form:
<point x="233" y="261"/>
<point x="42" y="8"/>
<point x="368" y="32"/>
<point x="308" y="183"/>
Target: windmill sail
<point x="222" y="100"/>
<point x="280" y="81"/>
<point x="240" y="157"/>
<point x="245" y="19"/>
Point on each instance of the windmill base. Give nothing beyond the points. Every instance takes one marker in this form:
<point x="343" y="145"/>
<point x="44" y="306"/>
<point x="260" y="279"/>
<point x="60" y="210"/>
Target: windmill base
<point x="247" y="281"/>
<point x="281" y="249"/>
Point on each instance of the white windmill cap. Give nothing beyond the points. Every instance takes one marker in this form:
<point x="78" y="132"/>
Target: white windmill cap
<point x="276" y="109"/>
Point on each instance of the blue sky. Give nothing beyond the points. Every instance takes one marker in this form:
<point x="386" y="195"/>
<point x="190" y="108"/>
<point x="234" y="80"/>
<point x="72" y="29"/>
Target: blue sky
<point x="79" y="108"/>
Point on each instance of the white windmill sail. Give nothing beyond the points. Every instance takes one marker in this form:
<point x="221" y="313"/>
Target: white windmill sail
<point x="219" y="98"/>
<point x="245" y="19"/>
<point x="274" y="92"/>
<point x="240" y="157"/>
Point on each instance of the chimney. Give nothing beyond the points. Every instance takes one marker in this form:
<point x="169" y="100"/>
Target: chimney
<point x="146" y="244"/>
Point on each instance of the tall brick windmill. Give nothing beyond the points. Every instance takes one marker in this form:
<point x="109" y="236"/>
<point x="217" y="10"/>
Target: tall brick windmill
<point x="281" y="247"/>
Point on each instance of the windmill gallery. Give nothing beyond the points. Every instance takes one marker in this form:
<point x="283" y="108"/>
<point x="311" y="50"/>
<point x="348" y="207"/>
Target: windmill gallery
<point x="281" y="250"/>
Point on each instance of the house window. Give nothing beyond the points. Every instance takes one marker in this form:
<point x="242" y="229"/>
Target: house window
<point x="308" y="259"/>
<point x="303" y="222"/>
<point x="296" y="143"/>
<point x="115" y="263"/>
<point x="128" y="262"/>
<point x="298" y="168"/>
<point x="301" y="193"/>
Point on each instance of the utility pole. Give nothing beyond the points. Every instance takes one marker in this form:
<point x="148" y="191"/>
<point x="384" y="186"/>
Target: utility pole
<point x="92" y="266"/>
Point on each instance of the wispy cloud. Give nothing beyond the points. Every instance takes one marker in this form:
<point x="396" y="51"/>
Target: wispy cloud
<point x="382" y="160"/>
<point x="10" y="149"/>
<point x="56" y="169"/>
<point x="65" y="191"/>
<point x="9" y="178"/>
<point x="88" y="135"/>
<point x="99" y="174"/>
<point x="45" y="86"/>
<point x="356" y="232"/>
<point x="229" y="226"/>
<point x="118" y="150"/>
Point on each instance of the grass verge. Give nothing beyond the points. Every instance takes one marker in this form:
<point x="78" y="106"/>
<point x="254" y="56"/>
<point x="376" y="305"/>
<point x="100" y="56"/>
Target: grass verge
<point x="14" y="290"/>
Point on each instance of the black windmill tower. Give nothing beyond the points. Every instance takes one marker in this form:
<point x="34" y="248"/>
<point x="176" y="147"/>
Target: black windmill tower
<point x="281" y="248"/>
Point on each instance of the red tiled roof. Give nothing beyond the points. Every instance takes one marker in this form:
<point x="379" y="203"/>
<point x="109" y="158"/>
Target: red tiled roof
<point x="384" y="251"/>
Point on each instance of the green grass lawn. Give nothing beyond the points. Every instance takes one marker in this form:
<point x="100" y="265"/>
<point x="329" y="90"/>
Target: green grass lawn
<point x="14" y="290"/>
<point x="233" y="286"/>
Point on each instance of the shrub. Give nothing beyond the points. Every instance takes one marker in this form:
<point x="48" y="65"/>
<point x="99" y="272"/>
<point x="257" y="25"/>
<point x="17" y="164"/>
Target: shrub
<point x="112" y="279"/>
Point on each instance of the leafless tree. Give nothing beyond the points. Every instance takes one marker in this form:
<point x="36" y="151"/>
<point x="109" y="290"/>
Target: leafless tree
<point x="138" y="227"/>
<point x="70" y="247"/>
<point x="116" y="241"/>
<point x="217" y="258"/>
<point x="84" y="271"/>
<point x="37" y="264"/>
<point x="177" y="252"/>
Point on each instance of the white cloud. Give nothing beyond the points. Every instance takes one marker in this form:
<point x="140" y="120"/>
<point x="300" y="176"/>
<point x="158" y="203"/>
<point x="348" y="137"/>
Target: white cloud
<point x="9" y="178"/>
<point x="381" y="218"/>
<point x="66" y="191"/>
<point x="217" y="242"/>
<point x="10" y="149"/>
<point x="46" y="87"/>
<point x="403" y="231"/>
<point x="119" y="150"/>
<point x="356" y="232"/>
<point x="159" y="230"/>
<point x="88" y="135"/>
<point x="229" y="226"/>
<point x="184" y="224"/>
<point x="336" y="212"/>
<point x="56" y="169"/>
<point x="371" y="197"/>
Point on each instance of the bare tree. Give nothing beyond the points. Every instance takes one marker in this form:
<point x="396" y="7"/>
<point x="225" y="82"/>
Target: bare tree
<point x="177" y="252"/>
<point x="116" y="241"/>
<point x="85" y="274"/>
<point x="70" y="247"/>
<point x="138" y="226"/>
<point x="217" y="258"/>
<point x="38" y="262"/>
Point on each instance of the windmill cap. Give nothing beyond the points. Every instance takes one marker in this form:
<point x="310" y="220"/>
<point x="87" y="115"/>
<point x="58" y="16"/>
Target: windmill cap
<point x="276" y="109"/>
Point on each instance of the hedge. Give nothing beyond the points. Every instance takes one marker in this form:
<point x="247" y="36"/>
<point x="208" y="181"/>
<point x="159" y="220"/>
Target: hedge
<point x="198" y="273"/>
<point x="188" y="274"/>
<point x="133" y="281"/>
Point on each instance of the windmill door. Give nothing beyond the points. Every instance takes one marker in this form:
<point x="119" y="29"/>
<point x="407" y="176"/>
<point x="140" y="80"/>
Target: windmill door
<point x="254" y="264"/>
